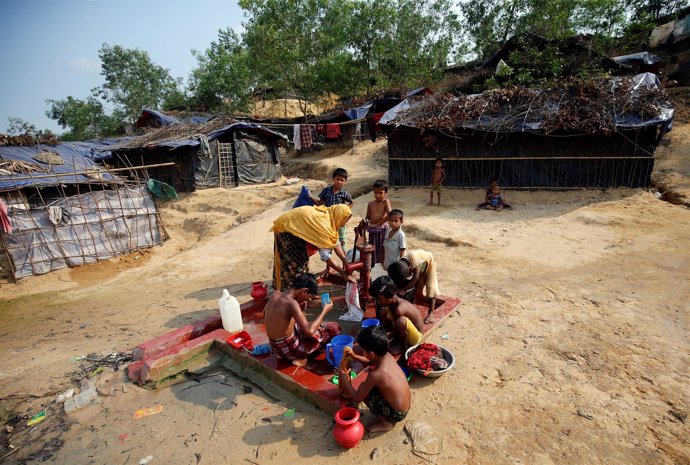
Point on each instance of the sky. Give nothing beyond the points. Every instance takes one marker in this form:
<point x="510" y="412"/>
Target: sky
<point x="49" y="48"/>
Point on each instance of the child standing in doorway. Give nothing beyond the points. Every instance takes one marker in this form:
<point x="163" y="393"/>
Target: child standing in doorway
<point x="377" y="216"/>
<point x="394" y="246"/>
<point x="333" y="195"/>
<point x="438" y="175"/>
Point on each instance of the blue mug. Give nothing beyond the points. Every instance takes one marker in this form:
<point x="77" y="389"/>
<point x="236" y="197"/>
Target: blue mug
<point x="336" y="348"/>
<point x="370" y="322"/>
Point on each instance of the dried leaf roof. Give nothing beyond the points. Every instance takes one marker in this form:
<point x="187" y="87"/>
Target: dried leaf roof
<point x="594" y="106"/>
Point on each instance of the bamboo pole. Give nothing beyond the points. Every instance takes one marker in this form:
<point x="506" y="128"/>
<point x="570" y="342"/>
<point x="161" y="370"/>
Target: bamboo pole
<point x="86" y="173"/>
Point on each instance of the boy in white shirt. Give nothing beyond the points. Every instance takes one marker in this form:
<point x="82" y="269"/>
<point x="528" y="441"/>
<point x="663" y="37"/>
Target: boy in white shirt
<point x="394" y="244"/>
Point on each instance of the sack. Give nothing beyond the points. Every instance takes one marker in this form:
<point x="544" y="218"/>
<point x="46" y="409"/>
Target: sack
<point x="354" y="313"/>
<point x="303" y="199"/>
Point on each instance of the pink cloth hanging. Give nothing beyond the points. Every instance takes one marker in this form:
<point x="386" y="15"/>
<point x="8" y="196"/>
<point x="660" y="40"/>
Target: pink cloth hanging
<point x="4" y="218"/>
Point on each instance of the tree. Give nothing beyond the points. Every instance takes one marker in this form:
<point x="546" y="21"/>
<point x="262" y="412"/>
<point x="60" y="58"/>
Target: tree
<point x="134" y="82"/>
<point x="491" y="22"/>
<point x="420" y="39"/>
<point x="223" y="79"/>
<point x="85" y="119"/>
<point x="19" y="126"/>
<point x="292" y="43"/>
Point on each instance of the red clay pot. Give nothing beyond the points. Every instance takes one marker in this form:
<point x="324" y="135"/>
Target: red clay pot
<point x="259" y="290"/>
<point x="348" y="430"/>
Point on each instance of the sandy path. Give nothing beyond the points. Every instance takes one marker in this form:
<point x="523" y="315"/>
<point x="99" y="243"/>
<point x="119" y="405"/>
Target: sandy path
<point x="572" y="339"/>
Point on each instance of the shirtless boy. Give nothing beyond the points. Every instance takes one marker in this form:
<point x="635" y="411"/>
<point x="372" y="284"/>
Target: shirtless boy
<point x="290" y="335"/>
<point x="377" y="216"/>
<point x="415" y="276"/>
<point x="438" y="175"/>
<point x="385" y="391"/>
<point x="402" y="317"/>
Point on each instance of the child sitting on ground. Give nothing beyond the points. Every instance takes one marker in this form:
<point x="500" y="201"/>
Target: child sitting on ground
<point x="385" y="391"/>
<point x="414" y="272"/>
<point x="290" y="335"/>
<point x="377" y="216"/>
<point x="401" y="317"/>
<point x="494" y="199"/>
<point x="394" y="245"/>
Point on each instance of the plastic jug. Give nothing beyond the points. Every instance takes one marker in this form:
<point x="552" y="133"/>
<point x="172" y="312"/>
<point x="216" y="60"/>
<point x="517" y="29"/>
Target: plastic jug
<point x="230" y="312"/>
<point x="335" y="348"/>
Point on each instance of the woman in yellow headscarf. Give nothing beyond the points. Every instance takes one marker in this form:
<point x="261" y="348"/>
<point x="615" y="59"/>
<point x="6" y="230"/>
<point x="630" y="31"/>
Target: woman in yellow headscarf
<point x="299" y="233"/>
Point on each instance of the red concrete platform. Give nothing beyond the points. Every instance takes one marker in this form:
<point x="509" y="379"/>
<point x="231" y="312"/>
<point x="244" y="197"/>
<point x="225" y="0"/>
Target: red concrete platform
<point x="161" y="359"/>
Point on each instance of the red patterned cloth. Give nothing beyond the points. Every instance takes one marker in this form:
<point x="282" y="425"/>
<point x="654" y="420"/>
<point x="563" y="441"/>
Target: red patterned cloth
<point x="321" y="129"/>
<point x="332" y="131"/>
<point x="298" y="346"/>
<point x="305" y="136"/>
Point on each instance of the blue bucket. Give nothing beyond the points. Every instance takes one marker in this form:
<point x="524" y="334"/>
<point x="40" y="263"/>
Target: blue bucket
<point x="370" y="322"/>
<point x="335" y="348"/>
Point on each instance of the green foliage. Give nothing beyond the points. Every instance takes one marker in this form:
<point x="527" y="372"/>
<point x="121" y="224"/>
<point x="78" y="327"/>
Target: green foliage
<point x="222" y="80"/>
<point x="133" y="82"/>
<point x="18" y="126"/>
<point x="489" y="23"/>
<point x="85" y="119"/>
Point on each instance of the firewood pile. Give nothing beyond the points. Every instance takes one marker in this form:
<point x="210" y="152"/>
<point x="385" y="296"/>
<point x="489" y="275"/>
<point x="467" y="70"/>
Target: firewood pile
<point x="11" y="167"/>
<point x="575" y="105"/>
<point x="27" y="140"/>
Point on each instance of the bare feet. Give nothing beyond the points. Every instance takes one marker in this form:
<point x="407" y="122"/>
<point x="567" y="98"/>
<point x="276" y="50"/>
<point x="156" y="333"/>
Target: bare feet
<point x="380" y="426"/>
<point x="429" y="320"/>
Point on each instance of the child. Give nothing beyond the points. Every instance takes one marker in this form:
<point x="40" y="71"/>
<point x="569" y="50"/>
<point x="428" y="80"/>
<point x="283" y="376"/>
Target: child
<point x="385" y="391"/>
<point x="377" y="215"/>
<point x="290" y="335"/>
<point x="394" y="246"/>
<point x="493" y="199"/>
<point x="336" y="194"/>
<point x="438" y="175"/>
<point x="401" y="317"/>
<point x="415" y="271"/>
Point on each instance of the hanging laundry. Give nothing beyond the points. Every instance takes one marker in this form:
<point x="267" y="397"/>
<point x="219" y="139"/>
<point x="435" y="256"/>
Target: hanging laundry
<point x="306" y="139"/>
<point x="332" y="131"/>
<point x="321" y="129"/>
<point x="5" y="224"/>
<point x="296" y="137"/>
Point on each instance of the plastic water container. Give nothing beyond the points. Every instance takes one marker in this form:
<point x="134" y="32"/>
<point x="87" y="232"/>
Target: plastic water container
<point x="335" y="349"/>
<point x="230" y="312"/>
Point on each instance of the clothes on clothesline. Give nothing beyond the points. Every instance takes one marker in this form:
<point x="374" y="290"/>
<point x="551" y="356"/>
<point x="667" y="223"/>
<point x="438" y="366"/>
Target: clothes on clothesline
<point x="305" y="136"/>
<point x="332" y="131"/>
<point x="296" y="136"/>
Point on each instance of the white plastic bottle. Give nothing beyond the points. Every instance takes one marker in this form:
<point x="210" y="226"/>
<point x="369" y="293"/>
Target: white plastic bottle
<point x="230" y="312"/>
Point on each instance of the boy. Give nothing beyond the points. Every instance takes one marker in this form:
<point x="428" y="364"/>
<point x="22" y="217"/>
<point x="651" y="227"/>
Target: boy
<point x="377" y="216"/>
<point x="333" y="195"/>
<point x="438" y="175"/>
<point x="385" y="391"/>
<point x="415" y="271"/>
<point x="290" y="335"/>
<point x="394" y="246"/>
<point x="401" y="316"/>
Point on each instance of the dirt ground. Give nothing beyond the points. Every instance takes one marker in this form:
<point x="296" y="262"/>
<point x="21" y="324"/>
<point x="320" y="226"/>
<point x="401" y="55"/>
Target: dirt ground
<point x="572" y="337"/>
